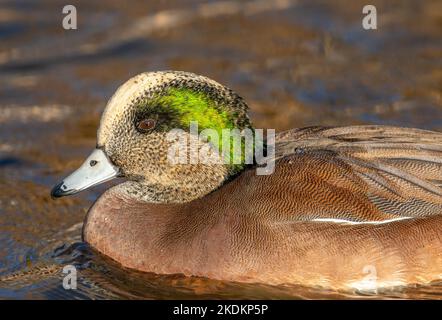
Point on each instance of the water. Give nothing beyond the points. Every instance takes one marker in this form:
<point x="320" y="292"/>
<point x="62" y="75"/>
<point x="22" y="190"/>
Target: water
<point x="297" y="63"/>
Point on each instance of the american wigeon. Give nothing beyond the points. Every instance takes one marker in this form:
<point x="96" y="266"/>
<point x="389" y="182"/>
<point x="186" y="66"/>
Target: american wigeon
<point x="346" y="207"/>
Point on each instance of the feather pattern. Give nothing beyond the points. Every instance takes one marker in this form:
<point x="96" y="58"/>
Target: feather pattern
<point x="398" y="170"/>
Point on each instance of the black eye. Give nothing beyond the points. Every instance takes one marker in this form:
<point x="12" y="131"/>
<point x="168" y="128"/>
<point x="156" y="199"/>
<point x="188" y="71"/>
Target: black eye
<point x="146" y="125"/>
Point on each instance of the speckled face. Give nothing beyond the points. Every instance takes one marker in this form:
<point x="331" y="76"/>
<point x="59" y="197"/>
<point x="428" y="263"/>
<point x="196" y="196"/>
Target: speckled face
<point x="135" y="123"/>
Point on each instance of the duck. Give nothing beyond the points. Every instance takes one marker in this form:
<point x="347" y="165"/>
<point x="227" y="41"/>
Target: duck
<point x="345" y="207"/>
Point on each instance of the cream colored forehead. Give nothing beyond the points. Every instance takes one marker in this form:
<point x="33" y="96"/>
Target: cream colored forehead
<point x="121" y="100"/>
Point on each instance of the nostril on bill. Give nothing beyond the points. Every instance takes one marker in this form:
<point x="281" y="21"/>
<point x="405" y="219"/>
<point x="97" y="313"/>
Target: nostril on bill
<point x="93" y="163"/>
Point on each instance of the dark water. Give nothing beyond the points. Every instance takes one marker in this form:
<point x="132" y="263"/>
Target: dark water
<point x="297" y="63"/>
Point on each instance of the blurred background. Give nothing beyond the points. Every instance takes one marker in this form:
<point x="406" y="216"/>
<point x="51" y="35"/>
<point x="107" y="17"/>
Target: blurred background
<point x="297" y="63"/>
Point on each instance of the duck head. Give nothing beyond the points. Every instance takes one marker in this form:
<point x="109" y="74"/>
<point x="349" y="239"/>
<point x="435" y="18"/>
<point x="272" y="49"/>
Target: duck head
<point x="133" y="139"/>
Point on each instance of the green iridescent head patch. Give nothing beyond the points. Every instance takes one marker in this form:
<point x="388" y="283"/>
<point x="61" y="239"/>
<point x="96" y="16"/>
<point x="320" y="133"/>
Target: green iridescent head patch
<point x="179" y="107"/>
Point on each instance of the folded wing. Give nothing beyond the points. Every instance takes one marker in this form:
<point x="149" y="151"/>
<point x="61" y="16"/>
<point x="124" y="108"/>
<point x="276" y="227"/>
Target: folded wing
<point x="386" y="172"/>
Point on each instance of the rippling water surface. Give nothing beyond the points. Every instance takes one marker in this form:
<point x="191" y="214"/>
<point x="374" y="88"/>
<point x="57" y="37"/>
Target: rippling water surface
<point x="297" y="63"/>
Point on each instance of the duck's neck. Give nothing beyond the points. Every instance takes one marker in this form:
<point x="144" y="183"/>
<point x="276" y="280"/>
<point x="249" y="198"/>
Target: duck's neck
<point x="186" y="182"/>
<point x="190" y="187"/>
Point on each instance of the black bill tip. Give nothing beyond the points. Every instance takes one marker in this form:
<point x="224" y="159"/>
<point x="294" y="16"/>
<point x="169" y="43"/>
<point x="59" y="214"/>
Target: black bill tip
<point x="60" y="190"/>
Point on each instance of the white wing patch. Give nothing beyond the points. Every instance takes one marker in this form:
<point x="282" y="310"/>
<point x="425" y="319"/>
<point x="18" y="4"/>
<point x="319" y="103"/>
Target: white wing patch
<point x="343" y="221"/>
